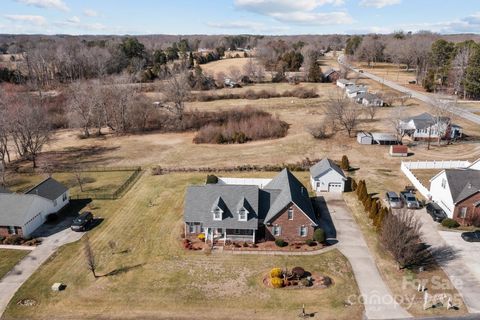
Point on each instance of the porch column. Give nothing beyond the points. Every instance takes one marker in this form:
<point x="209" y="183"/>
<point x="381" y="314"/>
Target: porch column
<point x="253" y="236"/>
<point x="206" y="235"/>
<point x="224" y="236"/>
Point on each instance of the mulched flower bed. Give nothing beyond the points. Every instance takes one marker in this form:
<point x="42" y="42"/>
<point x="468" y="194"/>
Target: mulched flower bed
<point x="318" y="282"/>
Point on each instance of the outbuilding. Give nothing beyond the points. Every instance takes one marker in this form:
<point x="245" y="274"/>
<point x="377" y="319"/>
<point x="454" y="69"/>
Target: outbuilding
<point x="399" y="151"/>
<point x="364" y="138"/>
<point x="326" y="176"/>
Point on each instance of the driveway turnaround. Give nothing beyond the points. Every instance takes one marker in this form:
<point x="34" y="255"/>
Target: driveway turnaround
<point x="413" y="93"/>
<point x="464" y="270"/>
<point x="13" y="280"/>
<point x="378" y="300"/>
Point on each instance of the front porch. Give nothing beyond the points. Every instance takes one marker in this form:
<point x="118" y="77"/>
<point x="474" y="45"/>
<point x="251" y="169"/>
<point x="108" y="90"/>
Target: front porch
<point x="215" y="235"/>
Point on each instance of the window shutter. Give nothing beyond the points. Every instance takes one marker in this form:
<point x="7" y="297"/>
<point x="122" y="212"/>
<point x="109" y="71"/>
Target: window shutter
<point x="279" y="231"/>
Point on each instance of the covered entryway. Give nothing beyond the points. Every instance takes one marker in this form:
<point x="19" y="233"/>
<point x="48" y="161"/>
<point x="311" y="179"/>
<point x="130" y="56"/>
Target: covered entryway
<point x="335" y="187"/>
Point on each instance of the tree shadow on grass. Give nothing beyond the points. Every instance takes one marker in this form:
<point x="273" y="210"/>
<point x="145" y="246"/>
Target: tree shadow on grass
<point x="122" y="270"/>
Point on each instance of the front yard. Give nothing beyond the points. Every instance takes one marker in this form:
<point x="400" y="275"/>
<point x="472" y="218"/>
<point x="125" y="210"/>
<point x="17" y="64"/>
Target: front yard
<point x="9" y="258"/>
<point x="151" y="275"/>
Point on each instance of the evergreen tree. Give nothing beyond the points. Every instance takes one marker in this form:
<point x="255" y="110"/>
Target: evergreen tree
<point x="345" y="165"/>
<point x="353" y="185"/>
<point x="380" y="217"/>
<point x="367" y="204"/>
<point x="472" y="83"/>
<point x="315" y="71"/>
<point x="191" y="61"/>
<point x="373" y="210"/>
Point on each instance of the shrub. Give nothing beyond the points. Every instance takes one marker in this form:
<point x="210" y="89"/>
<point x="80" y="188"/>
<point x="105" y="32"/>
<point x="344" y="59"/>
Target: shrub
<point x="298" y="272"/>
<point x="450" y="223"/>
<point x="319" y="131"/>
<point x="276" y="273"/>
<point x="276" y="282"/>
<point x="245" y="245"/>
<point x="319" y="235"/>
<point x="281" y="243"/>
<point x="13" y="240"/>
<point x="310" y="242"/>
<point x="353" y="185"/>
<point x="201" y="236"/>
<point x="157" y="171"/>
<point x="306" y="282"/>
<point x="212" y="179"/>
<point x="345" y="165"/>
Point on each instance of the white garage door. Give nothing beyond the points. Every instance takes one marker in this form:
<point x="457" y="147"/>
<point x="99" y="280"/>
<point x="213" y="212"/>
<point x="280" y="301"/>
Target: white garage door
<point x="335" y="187"/>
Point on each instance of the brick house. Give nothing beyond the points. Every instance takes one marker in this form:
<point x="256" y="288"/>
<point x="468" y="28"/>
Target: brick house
<point x="255" y="211"/>
<point x="21" y="214"/>
<point x="457" y="192"/>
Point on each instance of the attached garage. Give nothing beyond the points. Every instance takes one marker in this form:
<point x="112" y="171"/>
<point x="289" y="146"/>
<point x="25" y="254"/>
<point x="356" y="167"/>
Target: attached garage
<point x="326" y="176"/>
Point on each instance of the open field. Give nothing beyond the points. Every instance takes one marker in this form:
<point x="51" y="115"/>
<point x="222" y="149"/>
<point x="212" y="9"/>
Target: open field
<point x="9" y="258"/>
<point x="92" y="182"/>
<point x="139" y="244"/>
<point x="224" y="65"/>
<point x="403" y="283"/>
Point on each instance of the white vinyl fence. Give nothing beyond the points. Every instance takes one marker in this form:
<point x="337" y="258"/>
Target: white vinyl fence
<point x="406" y="168"/>
<point x="244" y="181"/>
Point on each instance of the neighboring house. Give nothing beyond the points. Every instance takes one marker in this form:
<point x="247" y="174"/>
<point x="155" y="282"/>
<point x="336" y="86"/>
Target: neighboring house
<point x="344" y="83"/>
<point x="377" y="138"/>
<point x="222" y="212"/>
<point x="425" y="127"/>
<point x="354" y="91"/>
<point x="457" y="191"/>
<point x="331" y="75"/>
<point x="230" y="83"/>
<point x="326" y="176"/>
<point x="370" y="99"/>
<point x="398" y="151"/>
<point x="22" y="214"/>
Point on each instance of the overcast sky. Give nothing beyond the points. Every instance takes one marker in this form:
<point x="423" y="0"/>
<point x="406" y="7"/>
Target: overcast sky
<point x="237" y="16"/>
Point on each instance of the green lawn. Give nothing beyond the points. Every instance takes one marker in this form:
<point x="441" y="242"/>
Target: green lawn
<point x="156" y="277"/>
<point x="92" y="182"/>
<point x="9" y="258"/>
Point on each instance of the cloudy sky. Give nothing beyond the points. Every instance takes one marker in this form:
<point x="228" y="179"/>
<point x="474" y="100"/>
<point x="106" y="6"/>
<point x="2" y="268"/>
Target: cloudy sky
<point x="237" y="16"/>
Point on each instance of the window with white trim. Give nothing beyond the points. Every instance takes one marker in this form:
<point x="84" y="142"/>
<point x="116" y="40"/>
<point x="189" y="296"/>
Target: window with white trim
<point x="290" y="213"/>
<point x="277" y="231"/>
<point x="191" y="228"/>
<point x="242" y="214"/>
<point x="303" y="231"/>
<point x="11" y="230"/>
<point x="217" y="214"/>
<point x="463" y="213"/>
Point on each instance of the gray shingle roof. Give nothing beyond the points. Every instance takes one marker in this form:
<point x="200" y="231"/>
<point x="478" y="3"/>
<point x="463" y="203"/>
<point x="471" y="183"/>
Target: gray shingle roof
<point x="290" y="191"/>
<point x="425" y="120"/>
<point x="324" y="166"/>
<point x="14" y="209"/>
<point x="463" y="183"/>
<point x="49" y="188"/>
<point x="201" y="200"/>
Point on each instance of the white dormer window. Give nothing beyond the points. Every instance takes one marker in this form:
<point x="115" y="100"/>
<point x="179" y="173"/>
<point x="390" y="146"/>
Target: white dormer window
<point x="290" y="214"/>
<point x="217" y="214"/>
<point x="242" y="214"/>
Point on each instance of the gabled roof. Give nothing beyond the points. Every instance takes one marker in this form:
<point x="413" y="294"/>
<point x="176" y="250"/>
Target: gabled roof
<point x="425" y="120"/>
<point x="329" y="72"/>
<point x="463" y="183"/>
<point x="323" y="167"/>
<point x="355" y="88"/>
<point x="15" y="208"/>
<point x="288" y="190"/>
<point x="344" y="81"/>
<point x="371" y="97"/>
<point x="49" y="189"/>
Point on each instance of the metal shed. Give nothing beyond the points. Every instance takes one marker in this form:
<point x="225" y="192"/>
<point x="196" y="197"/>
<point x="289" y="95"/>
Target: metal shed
<point x="364" y="138"/>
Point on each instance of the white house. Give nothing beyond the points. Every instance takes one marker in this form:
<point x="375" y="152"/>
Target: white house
<point x="370" y="99"/>
<point x="22" y="214"/>
<point x="354" y="91"/>
<point x="326" y="176"/>
<point x="343" y="83"/>
<point x="426" y="126"/>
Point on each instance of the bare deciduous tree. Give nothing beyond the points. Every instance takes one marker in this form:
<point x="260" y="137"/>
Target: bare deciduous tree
<point x="372" y="111"/>
<point x="341" y="112"/>
<point x="90" y="256"/>
<point x="177" y="90"/>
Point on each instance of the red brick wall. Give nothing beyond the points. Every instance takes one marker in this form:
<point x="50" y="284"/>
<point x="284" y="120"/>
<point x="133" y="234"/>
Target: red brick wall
<point x="290" y="228"/>
<point x="4" y="232"/>
<point x="473" y="213"/>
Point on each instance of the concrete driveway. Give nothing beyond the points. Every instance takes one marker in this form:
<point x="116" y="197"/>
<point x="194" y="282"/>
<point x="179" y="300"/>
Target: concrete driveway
<point x="464" y="270"/>
<point x="339" y="224"/>
<point x="13" y="280"/>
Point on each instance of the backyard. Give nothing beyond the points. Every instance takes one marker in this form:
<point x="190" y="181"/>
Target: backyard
<point x="148" y="273"/>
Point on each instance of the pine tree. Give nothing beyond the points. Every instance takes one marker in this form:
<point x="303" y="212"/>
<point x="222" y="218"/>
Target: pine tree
<point x="365" y="191"/>
<point x="472" y="84"/>
<point x="191" y="62"/>
<point x="380" y="217"/>
<point x="367" y="203"/>
<point x="361" y="186"/>
<point x="345" y="165"/>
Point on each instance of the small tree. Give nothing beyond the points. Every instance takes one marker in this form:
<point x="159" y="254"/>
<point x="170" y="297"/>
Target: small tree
<point x="380" y="218"/>
<point x="345" y="165"/>
<point x="373" y="210"/>
<point x="319" y="235"/>
<point x="353" y="185"/>
<point x="78" y="173"/>
<point x="361" y="185"/>
<point x="367" y="203"/>
<point x="90" y="257"/>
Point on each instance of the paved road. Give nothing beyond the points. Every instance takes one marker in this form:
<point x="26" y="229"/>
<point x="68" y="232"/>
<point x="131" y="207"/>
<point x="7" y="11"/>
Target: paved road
<point x="379" y="302"/>
<point x="415" y="94"/>
<point x="462" y="271"/>
<point x="13" y="280"/>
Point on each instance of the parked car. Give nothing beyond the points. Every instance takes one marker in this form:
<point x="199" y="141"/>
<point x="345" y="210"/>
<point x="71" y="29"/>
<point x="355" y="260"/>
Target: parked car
<point x="394" y="200"/>
<point x="410" y="200"/>
<point x="436" y="212"/>
<point x="81" y="222"/>
<point x="471" y="236"/>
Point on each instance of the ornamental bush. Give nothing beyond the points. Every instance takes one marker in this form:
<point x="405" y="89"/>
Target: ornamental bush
<point x="319" y="235"/>
<point x="450" y="223"/>
<point x="281" y="243"/>
<point x="276" y="282"/>
<point x="276" y="273"/>
<point x="310" y="243"/>
<point x="201" y="236"/>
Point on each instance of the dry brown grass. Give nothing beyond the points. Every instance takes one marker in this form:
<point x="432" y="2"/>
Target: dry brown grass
<point x="9" y="258"/>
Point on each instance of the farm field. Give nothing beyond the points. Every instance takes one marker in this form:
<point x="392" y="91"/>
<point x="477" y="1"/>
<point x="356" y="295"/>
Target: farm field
<point x="151" y="275"/>
<point x="9" y="258"/>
